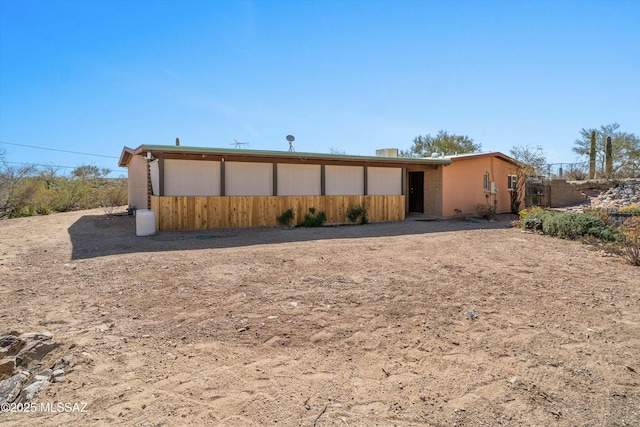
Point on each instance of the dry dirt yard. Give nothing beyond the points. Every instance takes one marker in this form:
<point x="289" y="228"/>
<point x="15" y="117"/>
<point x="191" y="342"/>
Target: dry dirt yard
<point x="397" y="324"/>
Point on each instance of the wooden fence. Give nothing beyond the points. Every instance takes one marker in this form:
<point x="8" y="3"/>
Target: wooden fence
<point x="194" y="212"/>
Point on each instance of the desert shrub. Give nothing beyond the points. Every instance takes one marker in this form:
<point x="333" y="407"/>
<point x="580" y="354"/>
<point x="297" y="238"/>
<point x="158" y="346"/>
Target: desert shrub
<point x="630" y="242"/>
<point x="286" y="217"/>
<point x="633" y="209"/>
<point x="567" y="225"/>
<point x="485" y="211"/>
<point x="314" y="220"/>
<point x="66" y="195"/>
<point x="355" y="212"/>
<point x="532" y="210"/>
<point x="600" y="213"/>
<point x="43" y="210"/>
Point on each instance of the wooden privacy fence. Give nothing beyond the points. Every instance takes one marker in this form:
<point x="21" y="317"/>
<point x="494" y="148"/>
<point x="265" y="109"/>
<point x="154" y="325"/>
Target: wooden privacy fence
<point x="197" y="212"/>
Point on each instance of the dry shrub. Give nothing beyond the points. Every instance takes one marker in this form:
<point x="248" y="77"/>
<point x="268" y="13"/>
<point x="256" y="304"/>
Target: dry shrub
<point x="631" y="240"/>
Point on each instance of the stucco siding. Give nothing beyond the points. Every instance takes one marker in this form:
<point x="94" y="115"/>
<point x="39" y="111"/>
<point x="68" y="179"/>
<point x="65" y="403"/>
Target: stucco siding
<point x="463" y="185"/>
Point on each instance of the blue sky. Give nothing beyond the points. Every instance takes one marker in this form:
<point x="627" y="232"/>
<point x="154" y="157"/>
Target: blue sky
<point x="94" y="76"/>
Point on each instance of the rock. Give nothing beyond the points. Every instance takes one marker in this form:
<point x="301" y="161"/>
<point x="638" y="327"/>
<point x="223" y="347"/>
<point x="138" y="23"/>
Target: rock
<point x="7" y="365"/>
<point x="34" y="351"/>
<point x="29" y="391"/>
<point x="40" y="336"/>
<point x="11" y="344"/>
<point x="58" y="372"/>
<point x="44" y="375"/>
<point x="471" y="314"/>
<point x="10" y="387"/>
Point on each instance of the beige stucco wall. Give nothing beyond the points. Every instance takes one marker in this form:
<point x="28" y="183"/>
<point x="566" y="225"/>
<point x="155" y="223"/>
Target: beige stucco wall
<point x="191" y="178"/>
<point x="343" y="180"/>
<point x="137" y="183"/>
<point x="463" y="185"/>
<point x="248" y="179"/>
<point x="298" y="180"/>
<point x="384" y="181"/>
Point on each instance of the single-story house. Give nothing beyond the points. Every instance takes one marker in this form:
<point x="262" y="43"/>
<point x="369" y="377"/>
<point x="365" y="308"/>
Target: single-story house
<point x="199" y="187"/>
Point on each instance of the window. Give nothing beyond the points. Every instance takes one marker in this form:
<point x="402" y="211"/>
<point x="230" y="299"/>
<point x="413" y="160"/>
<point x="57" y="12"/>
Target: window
<point x="512" y="182"/>
<point x="486" y="183"/>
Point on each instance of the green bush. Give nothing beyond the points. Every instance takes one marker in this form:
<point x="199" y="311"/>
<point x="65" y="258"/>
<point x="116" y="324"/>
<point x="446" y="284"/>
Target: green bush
<point x="566" y="225"/>
<point x="314" y="220"/>
<point x="353" y="213"/>
<point x="286" y="217"/>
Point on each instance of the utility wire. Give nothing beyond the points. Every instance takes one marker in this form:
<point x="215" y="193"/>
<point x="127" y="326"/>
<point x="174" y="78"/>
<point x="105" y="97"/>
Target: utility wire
<point x="53" y="166"/>
<point x="56" y="149"/>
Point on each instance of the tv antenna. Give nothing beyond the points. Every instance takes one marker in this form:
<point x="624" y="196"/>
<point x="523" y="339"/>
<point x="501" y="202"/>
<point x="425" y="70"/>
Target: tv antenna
<point x="291" y="138"/>
<point x="239" y="144"/>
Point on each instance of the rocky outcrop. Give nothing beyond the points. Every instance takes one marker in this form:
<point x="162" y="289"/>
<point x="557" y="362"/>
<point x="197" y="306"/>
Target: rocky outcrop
<point x="21" y="373"/>
<point x="623" y="193"/>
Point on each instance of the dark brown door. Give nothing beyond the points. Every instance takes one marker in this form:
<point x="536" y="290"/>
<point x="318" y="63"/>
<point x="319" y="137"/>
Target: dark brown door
<point x="416" y="192"/>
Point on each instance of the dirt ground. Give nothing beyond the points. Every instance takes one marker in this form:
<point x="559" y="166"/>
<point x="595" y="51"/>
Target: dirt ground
<point x="399" y="324"/>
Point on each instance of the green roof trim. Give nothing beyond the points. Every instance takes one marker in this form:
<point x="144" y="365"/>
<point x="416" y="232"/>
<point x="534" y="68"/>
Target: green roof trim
<point x="235" y="151"/>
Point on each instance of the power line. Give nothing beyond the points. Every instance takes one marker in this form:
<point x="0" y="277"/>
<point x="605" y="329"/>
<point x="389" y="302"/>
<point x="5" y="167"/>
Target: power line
<point x="53" y="166"/>
<point x="56" y="149"/>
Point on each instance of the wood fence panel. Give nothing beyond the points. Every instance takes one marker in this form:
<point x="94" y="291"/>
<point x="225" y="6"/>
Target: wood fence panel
<point x="198" y="212"/>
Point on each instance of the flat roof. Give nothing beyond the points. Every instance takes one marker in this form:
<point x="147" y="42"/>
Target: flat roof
<point x="231" y="154"/>
<point x="480" y="155"/>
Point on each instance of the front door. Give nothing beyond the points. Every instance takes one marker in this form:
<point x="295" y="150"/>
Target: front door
<point x="416" y="192"/>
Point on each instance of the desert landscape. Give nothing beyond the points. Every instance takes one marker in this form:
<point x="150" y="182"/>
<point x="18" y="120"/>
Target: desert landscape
<point x="438" y="323"/>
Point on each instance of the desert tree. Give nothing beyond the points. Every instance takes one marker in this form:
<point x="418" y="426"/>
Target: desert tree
<point x="531" y="162"/>
<point x="443" y="143"/>
<point x="16" y="186"/>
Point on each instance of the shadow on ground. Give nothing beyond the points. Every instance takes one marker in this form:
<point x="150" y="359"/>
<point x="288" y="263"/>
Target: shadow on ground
<point x="96" y="235"/>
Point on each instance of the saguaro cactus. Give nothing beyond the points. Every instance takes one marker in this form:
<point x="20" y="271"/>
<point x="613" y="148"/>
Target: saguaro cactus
<point x="592" y="156"/>
<point x="608" y="158"/>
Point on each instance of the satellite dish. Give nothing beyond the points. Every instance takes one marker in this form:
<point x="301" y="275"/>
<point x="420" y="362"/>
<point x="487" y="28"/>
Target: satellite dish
<point x="290" y="138"/>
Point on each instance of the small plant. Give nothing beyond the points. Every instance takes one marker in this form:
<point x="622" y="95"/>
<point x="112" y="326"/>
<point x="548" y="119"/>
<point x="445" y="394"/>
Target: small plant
<point x="314" y="220"/>
<point x="532" y="210"/>
<point x="286" y="217"/>
<point x="485" y="211"/>
<point x="631" y="240"/>
<point x="632" y="209"/>
<point x="43" y="210"/>
<point x="358" y="211"/>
